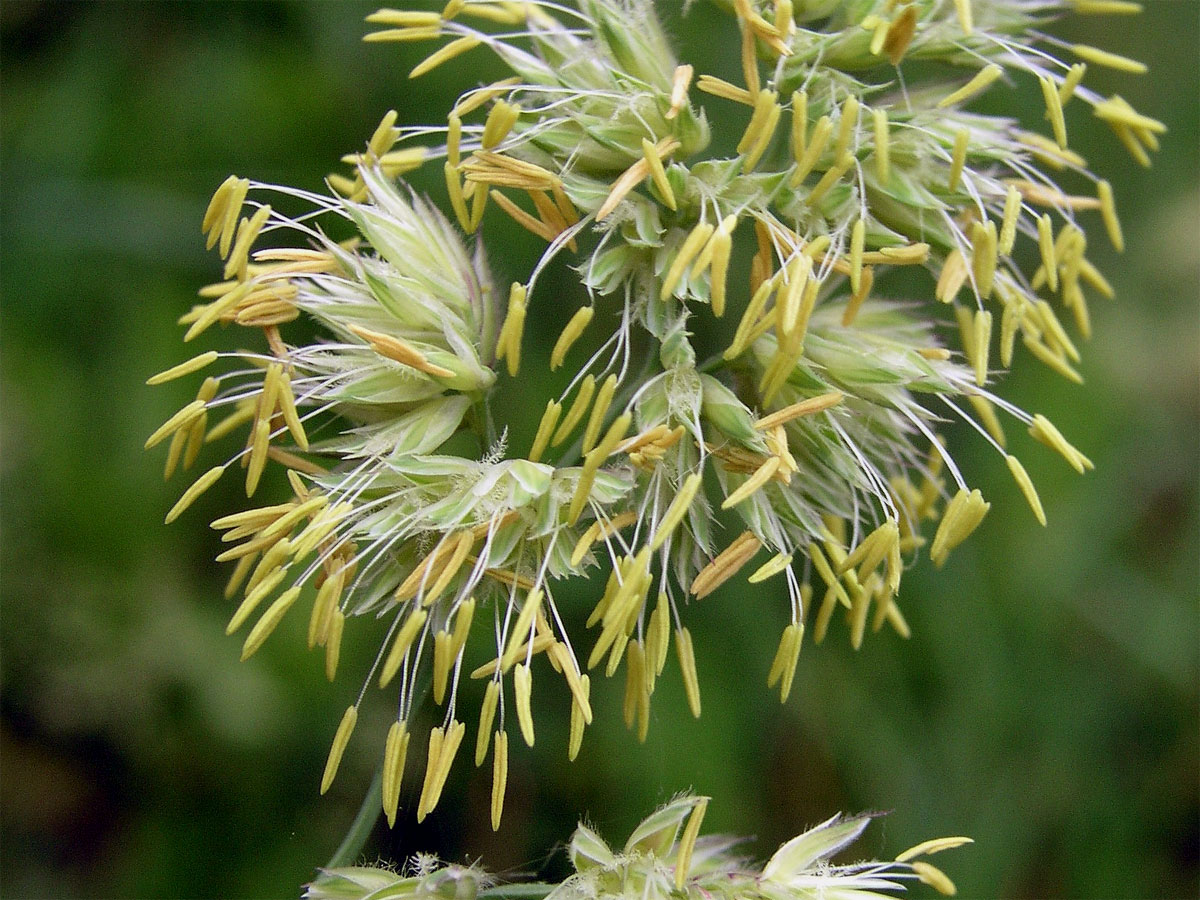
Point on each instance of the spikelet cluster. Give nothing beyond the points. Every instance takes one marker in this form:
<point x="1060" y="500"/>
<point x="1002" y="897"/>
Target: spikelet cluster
<point x="666" y="857"/>
<point x="805" y="449"/>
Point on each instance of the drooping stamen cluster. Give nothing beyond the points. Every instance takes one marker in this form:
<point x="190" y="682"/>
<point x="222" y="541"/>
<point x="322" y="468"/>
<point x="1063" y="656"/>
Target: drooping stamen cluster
<point x="811" y="437"/>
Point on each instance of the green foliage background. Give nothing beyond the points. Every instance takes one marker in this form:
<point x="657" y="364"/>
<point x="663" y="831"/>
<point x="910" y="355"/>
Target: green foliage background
<point x="1046" y="704"/>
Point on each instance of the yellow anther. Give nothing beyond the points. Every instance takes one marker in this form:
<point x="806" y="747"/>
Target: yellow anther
<point x="1054" y="110"/>
<point x="958" y="157"/>
<point x="499" y="777"/>
<point x="340" y="739"/>
<point x="395" y="751"/>
<point x="883" y="166"/>
<point x="687" y="251"/>
<point x="599" y="410"/>
<point x="1108" y="211"/>
<point x="400" y="646"/>
<point x="501" y="118"/>
<point x="981" y="82"/>
<point x="455" y="48"/>
<point x="657" y="173"/>
<point x="1112" y="60"/>
<point x="687" y="665"/>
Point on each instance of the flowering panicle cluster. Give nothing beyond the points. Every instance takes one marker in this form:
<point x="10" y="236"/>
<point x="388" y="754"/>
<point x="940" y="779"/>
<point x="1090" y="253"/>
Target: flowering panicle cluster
<point x="665" y="857"/>
<point x="808" y="444"/>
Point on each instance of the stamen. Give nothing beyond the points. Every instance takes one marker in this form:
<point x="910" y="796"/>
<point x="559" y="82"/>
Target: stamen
<point x="455" y="48"/>
<point x="499" y="777"/>
<point x="395" y="751"/>
<point x="981" y="82"/>
<point x="340" y="739"/>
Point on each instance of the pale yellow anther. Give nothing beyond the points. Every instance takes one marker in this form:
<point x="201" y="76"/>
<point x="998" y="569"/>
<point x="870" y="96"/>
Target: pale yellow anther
<point x="687" y="843"/>
<point x="717" y="87"/>
<point x="722" y="247"/>
<point x="829" y="179"/>
<point x="1025" y="483"/>
<point x="680" y="504"/>
<point x="501" y="118"/>
<point x="763" y="138"/>
<point x="508" y="343"/>
<point x="229" y="219"/>
<point x="1111" y="60"/>
<point x="805" y="407"/>
<point x="400" y="646"/>
<point x="340" y="739"/>
<point x="632" y="177"/>
<point x="198" y="487"/>
<point x="854" y="304"/>
<point x="455" y="48"/>
<point x="599" y="410"/>
<point x="754" y="483"/>
<point x="478" y="97"/>
<point x="214" y="214"/>
<point x="487" y="714"/>
<point x="404" y="18"/>
<point x="681" y="79"/>
<point x="965" y="16"/>
<point x="333" y="643"/>
<point x="772" y="566"/>
<point x="963" y="514"/>
<point x="499" y="778"/>
<point x="825" y="570"/>
<point x="1008" y="222"/>
<point x="872" y="550"/>
<point x="522" y="629"/>
<point x="328" y="596"/>
<point x="883" y="165"/>
<point x="522" y="690"/>
<point x="981" y="344"/>
<point x="857" y="238"/>
<point x="269" y="620"/>
<point x="1046" y="247"/>
<point x="658" y="174"/>
<point x="395" y="751"/>
<point x="180" y="420"/>
<point x="453" y="139"/>
<point x="952" y="277"/>
<point x="687" y="251"/>
<point x="937" y="845"/>
<point x="442" y="750"/>
<point x="247" y="233"/>
<point x="583" y="399"/>
<point x="195" y="364"/>
<point x="981" y="82"/>
<point x="984" y="248"/>
<point x="687" y="666"/>
<point x="1070" y="81"/>
<point x="799" y="123"/>
<point x="934" y="877"/>
<point x="258" y="455"/>
<point x="846" y="126"/>
<point x="787" y="303"/>
<point x="817" y="143"/>
<point x="726" y="564"/>
<point x="1054" y="110"/>
<point x="1108" y="211"/>
<point x="1043" y="431"/>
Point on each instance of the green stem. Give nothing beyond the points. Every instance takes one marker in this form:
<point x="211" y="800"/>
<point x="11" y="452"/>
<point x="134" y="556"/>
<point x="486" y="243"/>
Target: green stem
<point x="372" y="805"/>
<point x="360" y="829"/>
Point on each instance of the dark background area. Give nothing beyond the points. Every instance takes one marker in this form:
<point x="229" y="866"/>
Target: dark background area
<point x="1046" y="704"/>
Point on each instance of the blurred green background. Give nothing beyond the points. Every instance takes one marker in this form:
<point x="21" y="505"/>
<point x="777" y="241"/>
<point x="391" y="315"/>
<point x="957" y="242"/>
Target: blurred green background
<point x="1046" y="703"/>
